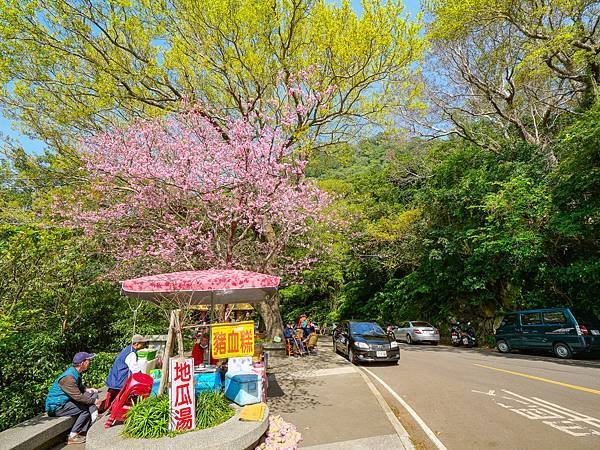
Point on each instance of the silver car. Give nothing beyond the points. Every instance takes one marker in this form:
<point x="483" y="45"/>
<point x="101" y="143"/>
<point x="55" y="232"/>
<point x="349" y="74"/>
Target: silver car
<point x="412" y="332"/>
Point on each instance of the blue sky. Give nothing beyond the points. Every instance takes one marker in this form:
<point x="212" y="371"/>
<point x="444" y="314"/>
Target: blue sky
<point x="35" y="146"/>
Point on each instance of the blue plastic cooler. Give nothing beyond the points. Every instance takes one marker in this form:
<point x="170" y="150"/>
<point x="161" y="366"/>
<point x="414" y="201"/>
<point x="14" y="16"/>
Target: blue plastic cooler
<point x="209" y="381"/>
<point x="243" y="389"/>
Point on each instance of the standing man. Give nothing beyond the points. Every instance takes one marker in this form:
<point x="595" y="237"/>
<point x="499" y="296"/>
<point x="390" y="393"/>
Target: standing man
<point x="125" y="364"/>
<point x="69" y="397"/>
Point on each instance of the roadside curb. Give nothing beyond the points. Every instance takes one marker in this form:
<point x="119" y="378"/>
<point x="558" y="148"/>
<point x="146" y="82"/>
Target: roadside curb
<point x="398" y="427"/>
<point x="434" y="439"/>
<point x="400" y="430"/>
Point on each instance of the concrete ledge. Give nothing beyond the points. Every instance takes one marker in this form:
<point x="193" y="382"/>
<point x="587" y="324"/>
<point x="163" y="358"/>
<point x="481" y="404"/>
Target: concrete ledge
<point x="230" y="435"/>
<point x="38" y="433"/>
<point x="274" y="349"/>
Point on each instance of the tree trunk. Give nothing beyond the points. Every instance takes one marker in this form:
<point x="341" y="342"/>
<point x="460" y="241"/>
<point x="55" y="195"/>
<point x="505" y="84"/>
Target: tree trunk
<point x="269" y="311"/>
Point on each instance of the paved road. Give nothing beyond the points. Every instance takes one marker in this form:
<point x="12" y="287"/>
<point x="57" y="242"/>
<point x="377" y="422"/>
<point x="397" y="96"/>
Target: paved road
<point x="475" y="399"/>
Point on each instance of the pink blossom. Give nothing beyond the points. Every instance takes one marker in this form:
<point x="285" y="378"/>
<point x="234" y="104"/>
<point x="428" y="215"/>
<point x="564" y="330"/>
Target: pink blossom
<point x="175" y="193"/>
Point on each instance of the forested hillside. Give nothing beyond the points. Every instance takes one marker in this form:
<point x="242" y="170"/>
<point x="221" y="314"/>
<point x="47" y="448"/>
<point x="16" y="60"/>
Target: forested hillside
<point x="459" y="152"/>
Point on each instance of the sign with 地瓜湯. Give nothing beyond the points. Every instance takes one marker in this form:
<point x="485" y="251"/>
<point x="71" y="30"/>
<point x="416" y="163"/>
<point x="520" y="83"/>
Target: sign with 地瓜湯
<point x="182" y="398"/>
<point x="230" y="340"/>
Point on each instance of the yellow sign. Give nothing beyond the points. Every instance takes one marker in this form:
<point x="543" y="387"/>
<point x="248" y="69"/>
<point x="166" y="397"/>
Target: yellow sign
<point x="229" y="340"/>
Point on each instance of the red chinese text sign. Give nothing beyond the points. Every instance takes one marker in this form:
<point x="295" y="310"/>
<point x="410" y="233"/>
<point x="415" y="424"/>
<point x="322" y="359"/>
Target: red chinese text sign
<point x="182" y="398"/>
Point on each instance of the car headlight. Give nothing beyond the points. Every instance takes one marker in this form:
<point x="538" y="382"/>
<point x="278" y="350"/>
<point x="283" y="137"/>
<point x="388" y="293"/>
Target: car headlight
<point x="394" y="344"/>
<point x="362" y="345"/>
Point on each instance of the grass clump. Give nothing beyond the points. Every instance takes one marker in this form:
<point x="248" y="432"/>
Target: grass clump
<point x="212" y="408"/>
<point x="149" y="418"/>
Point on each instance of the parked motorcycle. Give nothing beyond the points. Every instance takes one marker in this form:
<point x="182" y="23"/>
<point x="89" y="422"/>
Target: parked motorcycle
<point x="463" y="335"/>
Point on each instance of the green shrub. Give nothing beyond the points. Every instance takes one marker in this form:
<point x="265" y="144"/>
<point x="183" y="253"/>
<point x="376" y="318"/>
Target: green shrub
<point x="149" y="418"/>
<point x="29" y="363"/>
<point x="98" y="370"/>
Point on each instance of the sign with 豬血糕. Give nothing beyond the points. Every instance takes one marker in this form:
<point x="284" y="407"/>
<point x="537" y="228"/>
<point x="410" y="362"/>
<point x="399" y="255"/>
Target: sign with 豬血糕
<point x="230" y="340"/>
<point x="182" y="399"/>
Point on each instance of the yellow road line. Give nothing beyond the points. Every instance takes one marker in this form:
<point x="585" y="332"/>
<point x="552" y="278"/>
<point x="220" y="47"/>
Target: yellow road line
<point x="572" y="386"/>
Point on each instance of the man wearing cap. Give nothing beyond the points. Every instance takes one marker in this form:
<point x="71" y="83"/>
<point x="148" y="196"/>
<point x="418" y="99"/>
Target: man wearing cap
<point x="125" y="364"/>
<point x="69" y="397"/>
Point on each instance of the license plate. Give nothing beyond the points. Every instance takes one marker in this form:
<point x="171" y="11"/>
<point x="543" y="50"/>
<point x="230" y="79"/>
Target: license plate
<point x="596" y="332"/>
<point x="381" y="354"/>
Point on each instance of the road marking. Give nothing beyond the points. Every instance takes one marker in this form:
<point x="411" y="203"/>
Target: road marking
<point x="558" y="417"/>
<point x="533" y="377"/>
<point x="313" y="373"/>
<point x="411" y="411"/>
<point x="389" y="441"/>
<point x="400" y="431"/>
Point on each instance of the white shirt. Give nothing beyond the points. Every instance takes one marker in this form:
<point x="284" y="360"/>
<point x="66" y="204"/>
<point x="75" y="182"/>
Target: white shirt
<point x="132" y="363"/>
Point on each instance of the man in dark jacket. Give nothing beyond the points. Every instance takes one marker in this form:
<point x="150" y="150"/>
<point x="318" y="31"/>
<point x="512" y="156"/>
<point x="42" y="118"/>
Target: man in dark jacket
<point x="69" y="397"/>
<point x="125" y="364"/>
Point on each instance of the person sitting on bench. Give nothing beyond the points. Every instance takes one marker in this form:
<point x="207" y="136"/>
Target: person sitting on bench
<point x="69" y="397"/>
<point x="294" y="343"/>
<point x="310" y="341"/>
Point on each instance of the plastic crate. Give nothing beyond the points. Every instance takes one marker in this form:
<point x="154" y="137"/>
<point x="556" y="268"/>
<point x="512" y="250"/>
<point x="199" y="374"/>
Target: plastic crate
<point x="243" y="389"/>
<point x="148" y="354"/>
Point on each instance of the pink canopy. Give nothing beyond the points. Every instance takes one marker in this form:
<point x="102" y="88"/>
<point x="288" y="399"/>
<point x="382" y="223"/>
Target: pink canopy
<point x="203" y="287"/>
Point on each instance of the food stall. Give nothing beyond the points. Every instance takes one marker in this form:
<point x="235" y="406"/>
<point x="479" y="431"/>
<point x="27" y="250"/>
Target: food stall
<point x="207" y="289"/>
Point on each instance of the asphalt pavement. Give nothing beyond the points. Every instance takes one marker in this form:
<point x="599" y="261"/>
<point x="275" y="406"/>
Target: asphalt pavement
<point x="480" y="399"/>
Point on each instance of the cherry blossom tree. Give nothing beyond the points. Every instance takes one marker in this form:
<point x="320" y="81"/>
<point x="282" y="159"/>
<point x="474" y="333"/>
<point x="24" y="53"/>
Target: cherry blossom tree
<point x="180" y="194"/>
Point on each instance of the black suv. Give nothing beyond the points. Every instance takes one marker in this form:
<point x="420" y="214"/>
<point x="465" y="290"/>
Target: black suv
<point x="365" y="342"/>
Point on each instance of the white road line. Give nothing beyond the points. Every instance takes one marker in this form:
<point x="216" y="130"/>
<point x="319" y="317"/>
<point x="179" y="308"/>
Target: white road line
<point x="411" y="411"/>
<point x="400" y="431"/>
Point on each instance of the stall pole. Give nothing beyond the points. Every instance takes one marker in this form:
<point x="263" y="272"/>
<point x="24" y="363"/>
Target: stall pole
<point x="178" y="317"/>
<point x="212" y="316"/>
<point x="167" y="355"/>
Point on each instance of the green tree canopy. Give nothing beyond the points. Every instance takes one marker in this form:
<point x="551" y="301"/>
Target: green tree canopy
<point x="504" y="69"/>
<point x="72" y="67"/>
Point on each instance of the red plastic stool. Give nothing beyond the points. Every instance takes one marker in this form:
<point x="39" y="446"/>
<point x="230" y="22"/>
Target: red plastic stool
<point x="140" y="385"/>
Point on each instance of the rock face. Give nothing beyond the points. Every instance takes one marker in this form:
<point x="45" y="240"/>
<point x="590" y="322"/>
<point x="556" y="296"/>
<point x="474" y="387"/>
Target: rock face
<point x="230" y="435"/>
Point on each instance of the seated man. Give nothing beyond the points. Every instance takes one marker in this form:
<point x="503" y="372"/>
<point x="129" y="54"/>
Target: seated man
<point x="290" y="337"/>
<point x="69" y="397"/>
<point x="310" y="341"/>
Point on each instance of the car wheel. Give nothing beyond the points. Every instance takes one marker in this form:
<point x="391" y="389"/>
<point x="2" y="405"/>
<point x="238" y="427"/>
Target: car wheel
<point x="562" y="351"/>
<point x="434" y="342"/>
<point x="502" y="346"/>
<point x="351" y="356"/>
<point x="408" y="339"/>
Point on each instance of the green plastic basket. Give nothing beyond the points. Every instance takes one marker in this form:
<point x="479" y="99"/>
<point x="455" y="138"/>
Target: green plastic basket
<point x="147" y="354"/>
